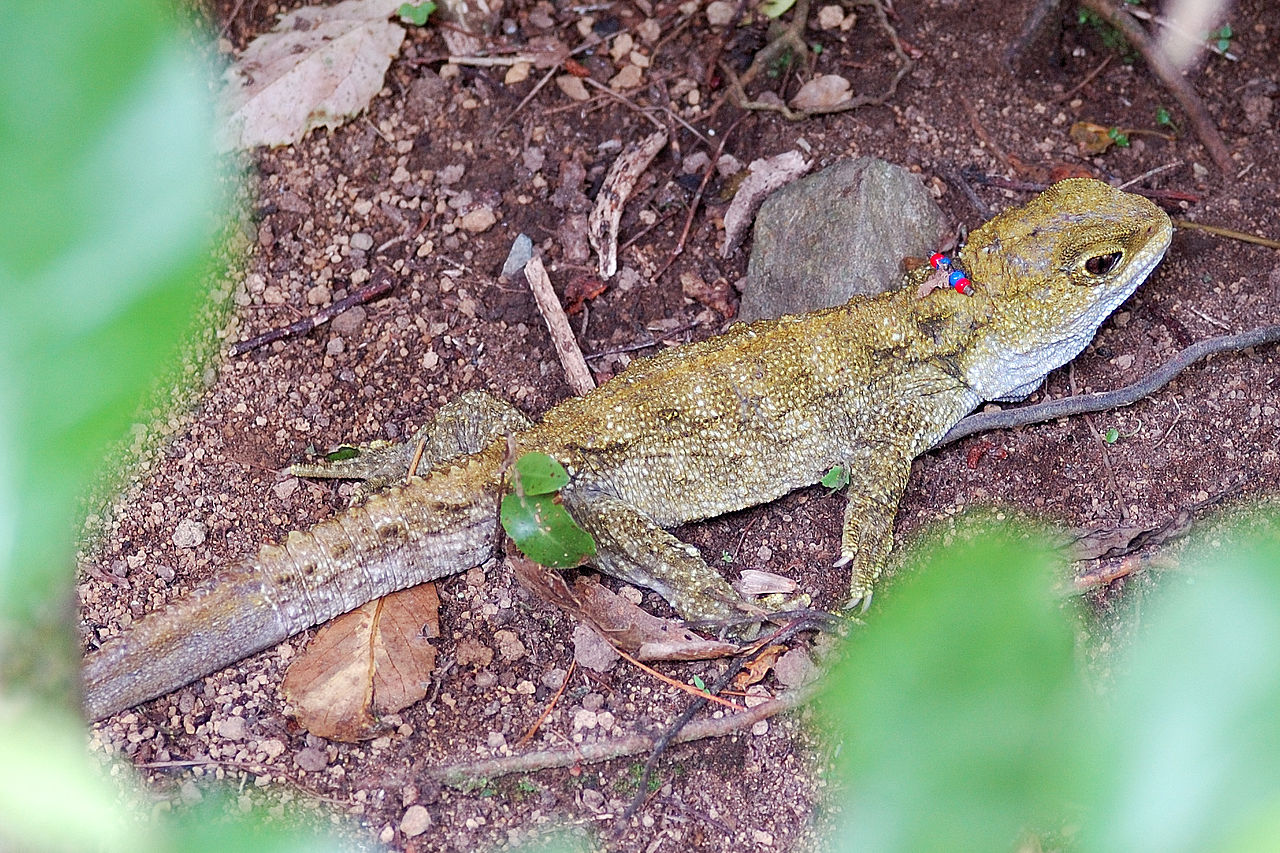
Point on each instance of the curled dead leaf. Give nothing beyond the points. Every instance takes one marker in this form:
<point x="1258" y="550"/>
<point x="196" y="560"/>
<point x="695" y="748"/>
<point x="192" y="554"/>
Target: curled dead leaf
<point x="822" y="93"/>
<point x="372" y="661"/>
<point x="317" y="67"/>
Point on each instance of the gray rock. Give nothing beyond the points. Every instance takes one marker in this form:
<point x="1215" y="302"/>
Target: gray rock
<point x="521" y="252"/>
<point x="841" y="232"/>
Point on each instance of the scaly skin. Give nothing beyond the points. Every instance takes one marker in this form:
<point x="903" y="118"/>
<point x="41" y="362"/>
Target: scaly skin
<point x="694" y="432"/>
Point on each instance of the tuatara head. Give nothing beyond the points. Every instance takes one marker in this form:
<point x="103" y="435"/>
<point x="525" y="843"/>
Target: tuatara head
<point x="1048" y="273"/>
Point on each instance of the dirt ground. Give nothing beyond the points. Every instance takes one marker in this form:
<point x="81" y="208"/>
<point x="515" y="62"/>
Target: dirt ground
<point x="393" y="190"/>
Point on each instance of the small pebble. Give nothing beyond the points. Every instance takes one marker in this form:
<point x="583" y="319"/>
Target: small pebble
<point x="189" y="533"/>
<point x="552" y="679"/>
<point x="416" y="821"/>
<point x="361" y="241"/>
<point x="479" y="220"/>
<point x="349" y="322"/>
<point x="311" y="759"/>
<point x="232" y="728"/>
<point x="321" y="294"/>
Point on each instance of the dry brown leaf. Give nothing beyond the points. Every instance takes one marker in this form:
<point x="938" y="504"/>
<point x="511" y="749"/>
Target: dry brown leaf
<point x="822" y="93"/>
<point x="717" y="295"/>
<point x="1092" y="138"/>
<point x="372" y="661"/>
<point x="766" y="175"/>
<point x="320" y="65"/>
<point x="758" y="667"/>
<point x="624" y="625"/>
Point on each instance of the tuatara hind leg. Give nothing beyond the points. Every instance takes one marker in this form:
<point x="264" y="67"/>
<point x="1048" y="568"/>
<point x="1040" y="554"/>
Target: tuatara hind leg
<point x="464" y="425"/>
<point x="632" y="548"/>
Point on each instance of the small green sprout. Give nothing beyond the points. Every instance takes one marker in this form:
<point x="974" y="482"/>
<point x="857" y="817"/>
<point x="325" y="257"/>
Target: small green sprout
<point x="1221" y="37"/>
<point x="416" y="14"/>
<point x="700" y="684"/>
<point x="1119" y="137"/>
<point x="1111" y="436"/>
<point x="836" y="478"/>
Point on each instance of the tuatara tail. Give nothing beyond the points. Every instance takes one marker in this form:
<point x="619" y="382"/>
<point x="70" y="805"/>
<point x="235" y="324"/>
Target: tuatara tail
<point x="429" y="528"/>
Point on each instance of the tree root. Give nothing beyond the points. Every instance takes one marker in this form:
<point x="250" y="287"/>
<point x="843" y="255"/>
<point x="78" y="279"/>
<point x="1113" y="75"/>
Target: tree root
<point x="792" y="38"/>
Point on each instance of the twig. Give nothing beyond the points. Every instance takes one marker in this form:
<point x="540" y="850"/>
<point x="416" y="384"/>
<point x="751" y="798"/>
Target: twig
<point x="306" y="324"/>
<point x="697" y="692"/>
<point x="546" y="78"/>
<point x="1150" y="173"/>
<point x="697" y="199"/>
<point x="1130" y="394"/>
<point x="629" y="745"/>
<point x="1227" y="232"/>
<point x="682" y="724"/>
<point x="537" y="724"/>
<point x="1088" y="78"/>
<point x="1171" y="77"/>
<point x="575" y="367"/>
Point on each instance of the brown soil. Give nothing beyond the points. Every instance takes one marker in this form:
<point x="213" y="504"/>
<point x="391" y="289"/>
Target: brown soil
<point x="451" y="324"/>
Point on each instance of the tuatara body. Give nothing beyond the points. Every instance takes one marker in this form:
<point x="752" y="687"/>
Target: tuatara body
<point x="697" y="431"/>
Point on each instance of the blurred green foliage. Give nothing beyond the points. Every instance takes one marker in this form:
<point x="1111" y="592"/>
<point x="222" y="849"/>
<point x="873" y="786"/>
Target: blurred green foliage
<point x="960" y="714"/>
<point x="964" y="722"/>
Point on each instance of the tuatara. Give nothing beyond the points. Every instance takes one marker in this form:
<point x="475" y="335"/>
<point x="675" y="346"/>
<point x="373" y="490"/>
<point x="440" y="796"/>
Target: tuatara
<point x="694" y="432"/>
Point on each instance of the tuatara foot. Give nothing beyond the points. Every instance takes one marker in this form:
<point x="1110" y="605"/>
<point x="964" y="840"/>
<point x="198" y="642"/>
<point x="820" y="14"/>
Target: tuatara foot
<point x="461" y="427"/>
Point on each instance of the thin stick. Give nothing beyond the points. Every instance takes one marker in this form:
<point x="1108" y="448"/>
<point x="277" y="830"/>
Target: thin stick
<point x="1172" y="78"/>
<point x="575" y="366"/>
<point x="629" y="745"/>
<point x="1088" y="78"/>
<point x="537" y="724"/>
<point x="1126" y="396"/>
<point x="306" y="324"/>
<point x="697" y="199"/>
<point x="1227" y="232"/>
<point x="698" y="692"/>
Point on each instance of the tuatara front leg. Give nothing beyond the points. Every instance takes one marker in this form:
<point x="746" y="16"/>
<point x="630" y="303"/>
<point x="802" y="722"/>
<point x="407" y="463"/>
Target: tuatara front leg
<point x="631" y="547"/>
<point x="465" y="425"/>
<point x="876" y="483"/>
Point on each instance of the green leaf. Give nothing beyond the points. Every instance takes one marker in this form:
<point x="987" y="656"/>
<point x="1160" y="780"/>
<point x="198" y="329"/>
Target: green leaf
<point x="342" y="454"/>
<point x="100" y="266"/>
<point x="1193" y="746"/>
<point x="544" y="531"/>
<point x="416" y="14"/>
<point x="699" y="683"/>
<point x="1163" y="117"/>
<point x="540" y="474"/>
<point x="836" y="478"/>
<point x="1111" y="436"/>
<point x="776" y="8"/>
<point x="957" y="707"/>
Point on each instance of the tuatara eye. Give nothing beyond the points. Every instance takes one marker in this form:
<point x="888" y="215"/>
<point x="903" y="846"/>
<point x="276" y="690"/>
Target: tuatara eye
<point x="1102" y="264"/>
